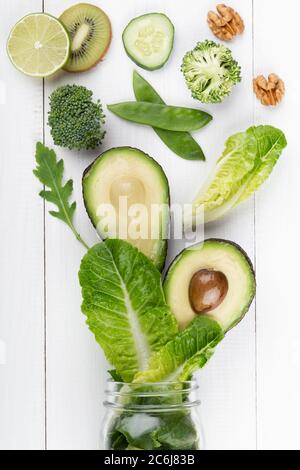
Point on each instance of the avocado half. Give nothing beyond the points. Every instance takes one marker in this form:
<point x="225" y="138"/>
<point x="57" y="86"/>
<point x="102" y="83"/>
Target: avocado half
<point x="214" y="278"/>
<point x="134" y="176"/>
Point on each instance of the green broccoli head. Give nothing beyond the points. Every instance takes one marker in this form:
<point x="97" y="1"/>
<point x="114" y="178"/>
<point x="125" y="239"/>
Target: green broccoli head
<point x="210" y="72"/>
<point x="75" y="119"/>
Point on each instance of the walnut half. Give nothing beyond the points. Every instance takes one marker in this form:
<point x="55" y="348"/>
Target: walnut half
<point x="227" y="24"/>
<point x="270" y="92"/>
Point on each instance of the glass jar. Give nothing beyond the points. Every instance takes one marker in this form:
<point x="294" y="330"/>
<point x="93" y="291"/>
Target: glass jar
<point x="160" y="416"/>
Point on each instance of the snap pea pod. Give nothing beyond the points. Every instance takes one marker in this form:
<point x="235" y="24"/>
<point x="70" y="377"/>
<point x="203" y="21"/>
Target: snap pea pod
<point x="171" y="118"/>
<point x="181" y="143"/>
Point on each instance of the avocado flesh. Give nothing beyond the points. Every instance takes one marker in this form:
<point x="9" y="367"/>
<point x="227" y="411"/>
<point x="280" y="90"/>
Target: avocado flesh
<point x="215" y="255"/>
<point x="121" y="178"/>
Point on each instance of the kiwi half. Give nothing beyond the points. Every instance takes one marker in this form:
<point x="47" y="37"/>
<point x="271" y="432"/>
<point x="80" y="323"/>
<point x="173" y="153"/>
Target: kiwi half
<point x="90" y="33"/>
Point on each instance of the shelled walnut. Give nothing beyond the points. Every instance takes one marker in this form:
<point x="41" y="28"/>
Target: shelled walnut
<point x="270" y="92"/>
<point x="227" y="24"/>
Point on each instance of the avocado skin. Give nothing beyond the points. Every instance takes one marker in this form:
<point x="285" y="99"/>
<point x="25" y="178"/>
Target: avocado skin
<point x="160" y="262"/>
<point x="238" y="247"/>
<point x="244" y="254"/>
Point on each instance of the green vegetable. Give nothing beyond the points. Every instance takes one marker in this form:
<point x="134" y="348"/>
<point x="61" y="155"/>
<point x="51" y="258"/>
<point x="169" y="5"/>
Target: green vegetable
<point x="183" y="355"/>
<point x="125" y="305"/>
<point x="118" y="441"/>
<point x="165" y="431"/>
<point x="247" y="161"/>
<point x="149" y="39"/>
<point x="153" y="417"/>
<point x="75" y="119"/>
<point x="115" y="376"/>
<point x="178" y="432"/>
<point x="181" y="143"/>
<point x="172" y="118"/>
<point x="50" y="173"/>
<point x="121" y="172"/>
<point x="210" y="72"/>
<point x="141" y="434"/>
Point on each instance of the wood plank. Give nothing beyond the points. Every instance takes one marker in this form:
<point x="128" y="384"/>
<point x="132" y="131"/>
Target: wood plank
<point x="76" y="368"/>
<point x="228" y="382"/>
<point x="278" y="233"/>
<point x="22" y="397"/>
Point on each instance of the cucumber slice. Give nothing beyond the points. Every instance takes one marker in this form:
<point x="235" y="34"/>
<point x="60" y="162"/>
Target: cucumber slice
<point x="149" y="39"/>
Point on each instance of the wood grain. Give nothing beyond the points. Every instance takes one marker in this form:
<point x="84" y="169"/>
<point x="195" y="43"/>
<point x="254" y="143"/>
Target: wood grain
<point x="278" y="234"/>
<point x="76" y="369"/>
<point x="52" y="373"/>
<point x="22" y="393"/>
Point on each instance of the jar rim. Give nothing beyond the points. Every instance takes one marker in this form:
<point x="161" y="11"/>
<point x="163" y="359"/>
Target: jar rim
<point x="191" y="382"/>
<point x="152" y="408"/>
<point x="132" y="387"/>
<point x="118" y="395"/>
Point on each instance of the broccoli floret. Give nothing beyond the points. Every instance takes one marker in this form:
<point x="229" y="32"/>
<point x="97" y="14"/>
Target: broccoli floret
<point x="210" y="72"/>
<point x="75" y="119"/>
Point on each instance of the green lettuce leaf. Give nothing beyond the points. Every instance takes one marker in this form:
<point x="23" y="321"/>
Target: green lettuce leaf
<point x="115" y="376"/>
<point x="270" y="143"/>
<point x="139" y="430"/>
<point x="178" y="431"/>
<point x="166" y="431"/>
<point x="125" y="305"/>
<point x="187" y="352"/>
<point x="247" y="161"/>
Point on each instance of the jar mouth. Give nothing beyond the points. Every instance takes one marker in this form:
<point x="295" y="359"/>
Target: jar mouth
<point x="162" y="396"/>
<point x="150" y="388"/>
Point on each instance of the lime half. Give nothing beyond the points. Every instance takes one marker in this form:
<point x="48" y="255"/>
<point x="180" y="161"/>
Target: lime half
<point x="39" y="45"/>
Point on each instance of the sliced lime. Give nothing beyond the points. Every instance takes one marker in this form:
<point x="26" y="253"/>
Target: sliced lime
<point x="39" y="45"/>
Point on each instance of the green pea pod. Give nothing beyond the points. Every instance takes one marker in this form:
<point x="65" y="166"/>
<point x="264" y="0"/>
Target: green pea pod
<point x="181" y="143"/>
<point x="171" y="118"/>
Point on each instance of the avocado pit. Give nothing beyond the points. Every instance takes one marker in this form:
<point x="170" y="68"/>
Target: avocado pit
<point x="207" y="290"/>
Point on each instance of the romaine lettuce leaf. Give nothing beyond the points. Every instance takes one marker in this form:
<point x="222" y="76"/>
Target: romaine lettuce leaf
<point x="187" y="352"/>
<point x="125" y="306"/>
<point x="178" y="431"/>
<point x="165" y="431"/>
<point x="270" y="143"/>
<point x="247" y="161"/>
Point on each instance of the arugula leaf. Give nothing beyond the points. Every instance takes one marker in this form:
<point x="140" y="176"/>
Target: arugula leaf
<point x="247" y="161"/>
<point x="183" y="355"/>
<point x="50" y="173"/>
<point x="125" y="305"/>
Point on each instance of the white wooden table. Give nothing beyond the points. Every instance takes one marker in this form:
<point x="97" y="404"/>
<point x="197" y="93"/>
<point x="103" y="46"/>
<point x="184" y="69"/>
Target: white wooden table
<point x="52" y="373"/>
